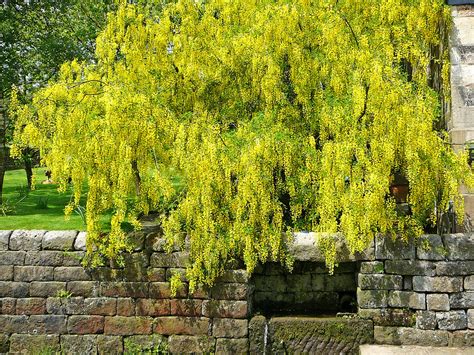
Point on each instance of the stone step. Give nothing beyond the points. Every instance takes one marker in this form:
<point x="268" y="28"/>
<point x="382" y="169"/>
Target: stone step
<point x="412" y="350"/>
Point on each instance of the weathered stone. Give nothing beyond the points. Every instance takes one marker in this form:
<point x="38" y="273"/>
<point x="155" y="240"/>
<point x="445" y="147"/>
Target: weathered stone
<point x="224" y="309"/>
<point x="7" y="305"/>
<point x="107" y="344"/>
<point x="100" y="306"/>
<point x="156" y="242"/>
<point x="72" y="258"/>
<point x="241" y="276"/>
<point x="232" y="346"/>
<point x="85" y="324"/>
<point x="151" y="307"/>
<point x="126" y="307"/>
<point x="455" y="268"/>
<point x="4" y="343"/>
<point x="79" y="344"/>
<point x="407" y="282"/>
<point x="163" y="290"/>
<point x="106" y="274"/>
<point x="30" y="306"/>
<point x="70" y="305"/>
<point x="437" y="284"/>
<point x="84" y="288"/>
<point x="33" y="273"/>
<point x="410" y="336"/>
<point x="462" y="339"/>
<point x="298" y="283"/>
<point x="80" y="242"/>
<point x="71" y="273"/>
<point x="388" y="248"/>
<point x="231" y="291"/>
<point x="459" y="246"/>
<point x="136" y="267"/>
<point x="430" y="247"/>
<point x="59" y="240"/>
<point x="34" y="344"/>
<point x="176" y="271"/>
<point x="124" y="289"/>
<point x="186" y="307"/>
<point x="425" y="320"/>
<point x="389" y="316"/>
<point x="406" y="299"/>
<point x="4" y="239"/>
<point x="372" y="298"/>
<point x="26" y="239"/>
<point x="371" y="267"/>
<point x="462" y="300"/>
<point x="46" y="289"/>
<point x="229" y="328"/>
<point x="12" y="257"/>
<point x="6" y="273"/>
<point x="410" y="267"/>
<point x="14" y="324"/>
<point x="136" y="240"/>
<point x="469" y="283"/>
<point x="258" y="331"/>
<point x="470" y="318"/>
<point x="146" y="344"/>
<point x="380" y="282"/>
<point x="119" y="325"/>
<point x="270" y="283"/>
<point x="181" y="325"/>
<point x="452" y="320"/>
<point x="178" y="259"/>
<point x="182" y="344"/>
<point x="47" y="324"/>
<point x="156" y="274"/>
<point x="437" y="302"/>
<point x="13" y="289"/>
<point x="338" y="282"/>
<point x="44" y="258"/>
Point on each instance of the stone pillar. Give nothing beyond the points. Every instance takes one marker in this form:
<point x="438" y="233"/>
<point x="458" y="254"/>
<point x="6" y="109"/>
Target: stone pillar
<point x="461" y="125"/>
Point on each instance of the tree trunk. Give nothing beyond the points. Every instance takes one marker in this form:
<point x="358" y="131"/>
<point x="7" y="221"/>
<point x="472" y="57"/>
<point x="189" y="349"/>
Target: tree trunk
<point x="29" y="170"/>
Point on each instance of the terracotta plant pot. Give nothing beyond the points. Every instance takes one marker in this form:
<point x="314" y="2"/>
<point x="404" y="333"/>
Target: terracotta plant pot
<point x="399" y="192"/>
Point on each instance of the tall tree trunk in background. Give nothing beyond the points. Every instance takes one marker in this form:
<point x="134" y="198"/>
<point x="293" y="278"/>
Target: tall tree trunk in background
<point x="28" y="157"/>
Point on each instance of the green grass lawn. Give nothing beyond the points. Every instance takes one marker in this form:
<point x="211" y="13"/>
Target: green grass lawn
<point x="29" y="213"/>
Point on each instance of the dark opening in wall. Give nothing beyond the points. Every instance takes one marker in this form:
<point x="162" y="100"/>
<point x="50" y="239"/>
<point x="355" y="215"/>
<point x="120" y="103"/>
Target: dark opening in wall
<point x="308" y="289"/>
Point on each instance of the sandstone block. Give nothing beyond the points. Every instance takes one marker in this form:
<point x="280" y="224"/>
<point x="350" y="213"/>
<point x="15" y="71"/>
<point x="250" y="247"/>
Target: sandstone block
<point x="44" y="258"/>
<point x="410" y="336"/>
<point x="126" y="307"/>
<point x="163" y="290"/>
<point x="46" y="289"/>
<point x="452" y="320"/>
<point x="229" y="328"/>
<point x="106" y="274"/>
<point x="151" y="307"/>
<point x="181" y="344"/>
<point x="13" y="324"/>
<point x="180" y="271"/>
<point x="459" y="246"/>
<point x="33" y="273"/>
<point x="380" y="282"/>
<point x="437" y="284"/>
<point x="372" y="298"/>
<point x="388" y="248"/>
<point x="270" y="283"/>
<point x="241" y="276"/>
<point x="371" y="267"/>
<point x="26" y="239"/>
<point x="470" y="318"/>
<point x="181" y="325"/>
<point x="4" y="239"/>
<point x="71" y="273"/>
<point x="14" y="289"/>
<point x="107" y="344"/>
<point x="12" y="257"/>
<point x="85" y="324"/>
<point x="47" y="324"/>
<point x="84" y="288"/>
<point x="469" y="283"/>
<point x="119" y="325"/>
<point x="389" y="316"/>
<point x="224" y="309"/>
<point x="100" y="306"/>
<point x="6" y="273"/>
<point x="408" y="299"/>
<point x="407" y="282"/>
<point x="124" y="289"/>
<point x="4" y="343"/>
<point x="426" y="320"/>
<point x="462" y="300"/>
<point x="462" y="339"/>
<point x="178" y="259"/>
<point x="72" y="305"/>
<point x="186" y="307"/>
<point x="146" y="344"/>
<point x="156" y="274"/>
<point x="455" y="268"/>
<point x="59" y="240"/>
<point x="232" y="346"/>
<point x="437" y="302"/>
<point x="233" y="291"/>
<point x="410" y="267"/>
<point x="33" y="344"/>
<point x="338" y="282"/>
<point x="430" y="247"/>
<point x="30" y="306"/>
<point x="7" y="305"/>
<point x="79" y="344"/>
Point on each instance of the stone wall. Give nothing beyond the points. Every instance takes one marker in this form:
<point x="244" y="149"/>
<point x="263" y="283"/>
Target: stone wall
<point x="49" y="302"/>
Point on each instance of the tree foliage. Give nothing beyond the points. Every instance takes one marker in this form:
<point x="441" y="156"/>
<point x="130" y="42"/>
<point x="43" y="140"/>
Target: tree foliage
<point x="276" y="116"/>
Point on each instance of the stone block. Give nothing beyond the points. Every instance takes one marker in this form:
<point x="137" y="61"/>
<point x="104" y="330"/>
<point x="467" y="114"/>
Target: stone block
<point x="410" y="336"/>
<point x="4" y="239"/>
<point x="72" y="258"/>
<point x="371" y="267"/>
<point x="124" y="289"/>
<point x="437" y="302"/>
<point x="163" y="290"/>
<point x="462" y="339"/>
<point x="437" y="284"/>
<point x="80" y="241"/>
<point x="406" y="299"/>
<point x="452" y="320"/>
<point x="6" y="273"/>
<point x="59" y="240"/>
<point x="181" y="344"/>
<point x="33" y="273"/>
<point x="34" y="344"/>
<point x="126" y="307"/>
<point x="182" y="325"/>
<point x="106" y="274"/>
<point x="100" y="306"/>
<point x="186" y="307"/>
<point x="65" y="305"/>
<point x="12" y="257"/>
<point x="229" y="328"/>
<point x="26" y="239"/>
<point x="30" y="306"/>
<point x="13" y="324"/>
<point x="156" y="274"/>
<point x="46" y="289"/>
<point x="85" y="324"/>
<point x="426" y="320"/>
<point x="71" y="273"/>
<point x="107" y="344"/>
<point x="410" y="267"/>
<point x="7" y="305"/>
<point x="84" y="288"/>
<point x="459" y="246"/>
<point x="455" y="268"/>
<point x="79" y="344"/>
<point x="146" y="344"/>
<point x="469" y="283"/>
<point x="14" y="289"/>
<point x="232" y="346"/>
<point x="224" y="309"/>
<point x="339" y="283"/>
<point x="44" y="258"/>
<point x="152" y="307"/>
<point x="47" y="324"/>
<point x="461" y="300"/>
<point x="178" y="259"/>
<point x="298" y="283"/>
<point x="389" y="316"/>
<point x="380" y="282"/>
<point x="119" y="325"/>
<point x="136" y="267"/>
<point x="232" y="291"/>
<point x="258" y="332"/>
<point x="407" y="283"/>
<point x="240" y="276"/>
<point x="388" y="248"/>
<point x="180" y="271"/>
<point x="430" y="247"/>
<point x="470" y="318"/>
<point x="372" y="298"/>
<point x="4" y="343"/>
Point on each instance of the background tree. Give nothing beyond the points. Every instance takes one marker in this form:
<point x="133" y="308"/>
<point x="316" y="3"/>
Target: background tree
<point x="276" y="116"/>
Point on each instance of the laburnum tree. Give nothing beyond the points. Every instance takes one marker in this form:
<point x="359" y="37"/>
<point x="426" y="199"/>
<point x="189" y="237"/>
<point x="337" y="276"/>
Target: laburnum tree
<point x="273" y="115"/>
